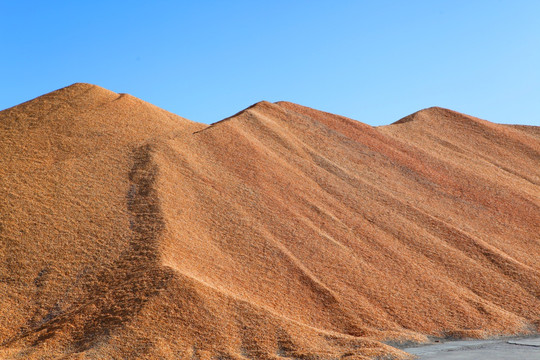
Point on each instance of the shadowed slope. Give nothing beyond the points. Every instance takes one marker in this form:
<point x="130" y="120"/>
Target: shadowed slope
<point x="280" y="232"/>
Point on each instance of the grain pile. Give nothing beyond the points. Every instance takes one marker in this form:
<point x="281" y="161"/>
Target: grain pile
<point x="280" y="232"/>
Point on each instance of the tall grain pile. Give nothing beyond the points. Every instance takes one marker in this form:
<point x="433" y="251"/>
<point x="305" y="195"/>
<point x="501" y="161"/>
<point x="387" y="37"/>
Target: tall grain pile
<point x="280" y="232"/>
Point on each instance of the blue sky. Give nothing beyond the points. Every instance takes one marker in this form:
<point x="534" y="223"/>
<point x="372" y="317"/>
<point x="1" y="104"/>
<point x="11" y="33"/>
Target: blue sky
<point x="373" y="61"/>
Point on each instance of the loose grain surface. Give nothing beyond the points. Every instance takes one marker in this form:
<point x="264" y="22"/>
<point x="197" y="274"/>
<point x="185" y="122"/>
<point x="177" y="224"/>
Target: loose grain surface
<point x="280" y="232"/>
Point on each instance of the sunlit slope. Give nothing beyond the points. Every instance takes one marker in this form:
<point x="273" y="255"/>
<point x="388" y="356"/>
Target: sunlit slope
<point x="279" y="232"/>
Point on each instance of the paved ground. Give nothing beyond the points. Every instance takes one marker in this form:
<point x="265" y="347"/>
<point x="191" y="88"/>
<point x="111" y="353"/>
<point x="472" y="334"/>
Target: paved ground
<point x="519" y="349"/>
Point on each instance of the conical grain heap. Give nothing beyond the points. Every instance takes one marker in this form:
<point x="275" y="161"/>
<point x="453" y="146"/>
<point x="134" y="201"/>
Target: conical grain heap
<point x="280" y="232"/>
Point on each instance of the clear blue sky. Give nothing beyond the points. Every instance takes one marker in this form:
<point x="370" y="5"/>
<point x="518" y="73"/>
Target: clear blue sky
<point x="374" y="61"/>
